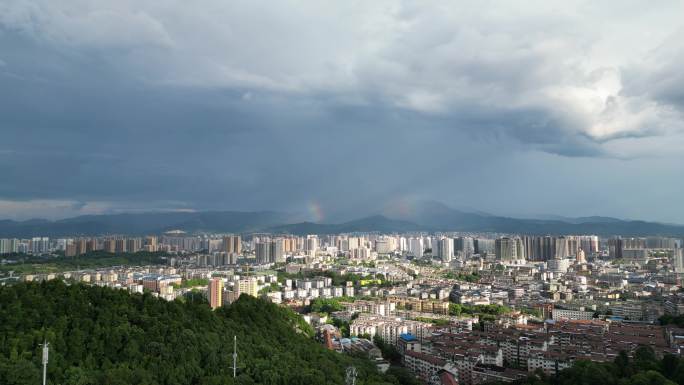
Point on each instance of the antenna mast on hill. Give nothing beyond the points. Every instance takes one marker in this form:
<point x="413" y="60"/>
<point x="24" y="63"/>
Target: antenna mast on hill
<point x="46" y="352"/>
<point x="234" y="367"/>
<point x="350" y="378"/>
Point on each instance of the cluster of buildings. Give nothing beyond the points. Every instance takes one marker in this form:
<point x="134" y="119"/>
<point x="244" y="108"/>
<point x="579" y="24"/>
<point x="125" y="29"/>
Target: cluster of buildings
<point x="172" y="241"/>
<point x="222" y="291"/>
<point x="500" y="353"/>
<point x="78" y="246"/>
<point x="460" y="308"/>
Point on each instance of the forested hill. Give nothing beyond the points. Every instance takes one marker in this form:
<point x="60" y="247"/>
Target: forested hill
<point x="106" y="336"/>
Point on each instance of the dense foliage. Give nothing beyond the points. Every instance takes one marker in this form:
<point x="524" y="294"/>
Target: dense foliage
<point x="46" y="263"/>
<point x="391" y="354"/>
<point x="465" y="309"/>
<point x="672" y="320"/>
<point x="644" y="369"/>
<point x="329" y="305"/>
<point x="337" y="278"/>
<point x="434" y="321"/>
<point x="340" y="279"/>
<point x="106" y="336"/>
<point x="468" y="277"/>
<point x="192" y="282"/>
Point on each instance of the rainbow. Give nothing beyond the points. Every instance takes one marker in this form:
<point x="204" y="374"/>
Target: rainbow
<point x="316" y="211"/>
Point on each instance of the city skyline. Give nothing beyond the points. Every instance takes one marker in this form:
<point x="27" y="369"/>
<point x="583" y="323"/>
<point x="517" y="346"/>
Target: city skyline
<point x="569" y="109"/>
<point x="387" y="192"/>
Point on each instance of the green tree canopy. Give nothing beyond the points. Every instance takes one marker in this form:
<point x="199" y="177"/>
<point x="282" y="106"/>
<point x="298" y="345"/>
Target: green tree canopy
<point x="107" y="336"/>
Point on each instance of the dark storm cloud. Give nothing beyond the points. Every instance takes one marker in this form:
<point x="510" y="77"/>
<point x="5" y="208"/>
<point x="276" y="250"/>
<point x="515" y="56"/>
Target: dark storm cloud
<point x="141" y="107"/>
<point x="658" y="76"/>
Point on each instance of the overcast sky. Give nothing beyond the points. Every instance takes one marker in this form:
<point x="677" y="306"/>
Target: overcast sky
<point x="337" y="108"/>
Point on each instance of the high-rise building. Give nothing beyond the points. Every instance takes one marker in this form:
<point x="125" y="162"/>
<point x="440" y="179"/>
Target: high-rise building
<point x="91" y="245"/>
<point x="312" y="243"/>
<point x="277" y="251"/>
<point x="520" y="249"/>
<point x="427" y="244"/>
<point x="679" y="261"/>
<point x="615" y="247"/>
<point x="151" y="243"/>
<point x="133" y="245"/>
<point x="4" y="246"/>
<point x="633" y="243"/>
<point x="530" y="245"/>
<point x="573" y="245"/>
<point x="232" y="244"/>
<point x="445" y="249"/>
<point x="506" y="249"/>
<point x="290" y="245"/>
<point x="232" y="259"/>
<point x="247" y="286"/>
<point x="661" y="243"/>
<point x="262" y="250"/>
<point x="383" y="245"/>
<point x="465" y="245"/>
<point x="484" y="246"/>
<point x="8" y="246"/>
<point x="81" y="246"/>
<point x="70" y="250"/>
<point x="353" y="243"/>
<point x="40" y="245"/>
<point x="415" y="246"/>
<point x="562" y="247"/>
<point x="332" y="240"/>
<point x="403" y="245"/>
<point x="215" y="292"/>
<point x="547" y="248"/>
<point x="589" y="243"/>
<point x="109" y="245"/>
<point x="120" y="246"/>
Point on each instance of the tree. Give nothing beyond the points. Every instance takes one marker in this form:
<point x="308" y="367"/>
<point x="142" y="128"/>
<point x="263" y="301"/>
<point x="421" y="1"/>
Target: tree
<point x="645" y="358"/>
<point x="389" y="352"/>
<point x="650" y="377"/>
<point x="669" y="365"/>
<point x="326" y="305"/>
<point x="622" y="364"/>
<point x="402" y="376"/>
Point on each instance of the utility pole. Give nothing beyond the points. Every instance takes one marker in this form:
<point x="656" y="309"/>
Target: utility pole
<point x="46" y="352"/>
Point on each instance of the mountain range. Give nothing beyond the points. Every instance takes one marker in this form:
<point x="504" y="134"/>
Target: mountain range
<point x="419" y="216"/>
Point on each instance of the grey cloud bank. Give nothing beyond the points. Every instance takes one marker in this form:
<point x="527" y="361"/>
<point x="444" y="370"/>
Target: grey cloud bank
<point x="512" y="108"/>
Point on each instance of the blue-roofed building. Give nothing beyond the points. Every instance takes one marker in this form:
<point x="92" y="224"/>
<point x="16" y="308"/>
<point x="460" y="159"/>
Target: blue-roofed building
<point x="407" y="342"/>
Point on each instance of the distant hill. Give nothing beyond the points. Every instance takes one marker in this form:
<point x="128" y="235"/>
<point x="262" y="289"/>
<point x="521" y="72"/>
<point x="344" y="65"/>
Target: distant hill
<point x="578" y="220"/>
<point x="468" y="222"/>
<point x="419" y="216"/>
<point x="439" y="217"/>
<point x="377" y="223"/>
<point x="146" y="223"/>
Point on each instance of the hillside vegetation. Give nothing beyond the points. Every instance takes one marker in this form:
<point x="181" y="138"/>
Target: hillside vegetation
<point x="107" y="336"/>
